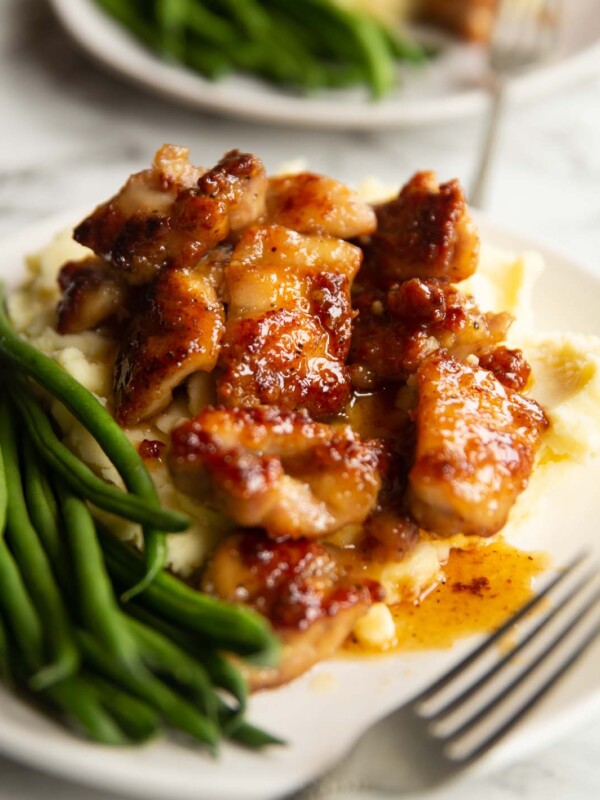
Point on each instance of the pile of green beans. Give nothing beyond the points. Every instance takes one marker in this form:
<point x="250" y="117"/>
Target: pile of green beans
<point x="304" y="45"/>
<point x="119" y="670"/>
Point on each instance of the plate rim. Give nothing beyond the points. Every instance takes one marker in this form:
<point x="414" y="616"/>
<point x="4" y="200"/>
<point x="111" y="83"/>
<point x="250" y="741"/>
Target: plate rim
<point x="179" y="84"/>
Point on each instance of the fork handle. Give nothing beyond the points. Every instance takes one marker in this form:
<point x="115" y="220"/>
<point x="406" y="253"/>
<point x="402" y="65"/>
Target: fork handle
<point x="481" y="182"/>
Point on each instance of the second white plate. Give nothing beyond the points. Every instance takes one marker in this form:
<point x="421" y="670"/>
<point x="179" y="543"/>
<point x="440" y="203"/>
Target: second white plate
<point x="448" y="88"/>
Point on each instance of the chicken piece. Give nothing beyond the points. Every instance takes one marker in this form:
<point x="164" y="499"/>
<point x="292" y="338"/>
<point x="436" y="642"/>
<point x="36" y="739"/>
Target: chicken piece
<point x="508" y="365"/>
<point x="476" y="442"/>
<point x="176" y="331"/>
<point x="471" y="19"/>
<point x="239" y="180"/>
<point x="397" y="329"/>
<point x="301" y="587"/>
<point x="288" y="321"/>
<point x="92" y="292"/>
<point x="426" y="232"/>
<point x="310" y="203"/>
<point x="173" y="213"/>
<point x="277" y="470"/>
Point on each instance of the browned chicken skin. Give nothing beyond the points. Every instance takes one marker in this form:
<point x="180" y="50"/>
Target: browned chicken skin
<point x="301" y="587"/>
<point x="175" y="332"/>
<point x="173" y="213"/>
<point x="92" y="292"/>
<point x="396" y="329"/>
<point x="310" y="203"/>
<point x="288" y="321"/>
<point x="278" y="470"/>
<point x="426" y="232"/>
<point x="476" y="441"/>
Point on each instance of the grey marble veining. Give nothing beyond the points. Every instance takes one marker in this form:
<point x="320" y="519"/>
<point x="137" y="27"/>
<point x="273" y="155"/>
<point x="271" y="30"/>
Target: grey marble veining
<point x="70" y="133"/>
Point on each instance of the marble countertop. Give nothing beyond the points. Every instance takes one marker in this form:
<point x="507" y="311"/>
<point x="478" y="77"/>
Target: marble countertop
<point x="70" y="133"/>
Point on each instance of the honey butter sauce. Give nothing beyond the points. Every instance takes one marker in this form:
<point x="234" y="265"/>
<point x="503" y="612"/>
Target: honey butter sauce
<point x="482" y="588"/>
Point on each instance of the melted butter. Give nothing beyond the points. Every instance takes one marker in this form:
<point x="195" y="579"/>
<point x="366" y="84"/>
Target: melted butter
<point x="483" y="587"/>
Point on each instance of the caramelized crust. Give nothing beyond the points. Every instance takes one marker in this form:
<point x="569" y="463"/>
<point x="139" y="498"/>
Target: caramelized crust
<point x="239" y="180"/>
<point x="173" y="213"/>
<point x="288" y="321"/>
<point x="508" y="365"/>
<point x="92" y="292"/>
<point x="397" y="329"/>
<point x="278" y="470"/>
<point x="311" y="203"/>
<point x="175" y="332"/>
<point x="426" y="232"/>
<point x="471" y="19"/>
<point x="476" y="441"/>
<point x="303" y="590"/>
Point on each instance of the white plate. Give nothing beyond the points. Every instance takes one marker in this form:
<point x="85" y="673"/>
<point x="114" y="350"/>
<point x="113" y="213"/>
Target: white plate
<point x="321" y="713"/>
<point x="448" y="88"/>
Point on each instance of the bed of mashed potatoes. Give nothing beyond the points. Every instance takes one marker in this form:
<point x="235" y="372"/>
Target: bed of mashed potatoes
<point x="565" y="380"/>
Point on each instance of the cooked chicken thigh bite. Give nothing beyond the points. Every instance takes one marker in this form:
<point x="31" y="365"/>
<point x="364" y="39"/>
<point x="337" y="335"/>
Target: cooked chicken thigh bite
<point x="277" y="470"/>
<point x="426" y="232"/>
<point x="288" y="321"/>
<point x="92" y="292"/>
<point x="476" y="442"/>
<point x="310" y="203"/>
<point x="301" y="587"/>
<point x="175" y="332"/>
<point x="396" y="329"/>
<point x="173" y="213"/>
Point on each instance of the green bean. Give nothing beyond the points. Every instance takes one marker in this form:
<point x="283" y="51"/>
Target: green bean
<point x="5" y="666"/>
<point x="79" y="701"/>
<point x="80" y="477"/>
<point x="222" y="671"/>
<point x="172" y="15"/>
<point x="130" y="19"/>
<point x="251" y="736"/>
<point x="97" y="604"/>
<point x="43" y="513"/>
<point x="19" y="613"/>
<point x="207" y="25"/>
<point x="135" y="717"/>
<point x="403" y="48"/>
<point x="90" y="412"/>
<point x="144" y="685"/>
<point x="3" y="495"/>
<point x="166" y="658"/>
<point x="225" y="625"/>
<point x="34" y="564"/>
<point x="208" y="60"/>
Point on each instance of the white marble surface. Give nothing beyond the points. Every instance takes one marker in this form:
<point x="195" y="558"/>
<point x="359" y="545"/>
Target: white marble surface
<point x="70" y="133"/>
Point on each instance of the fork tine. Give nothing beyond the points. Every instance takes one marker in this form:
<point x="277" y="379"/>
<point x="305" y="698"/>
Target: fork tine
<point x="469" y="691"/>
<point x="488" y="743"/>
<point x="449" y="676"/>
<point x="518" y="681"/>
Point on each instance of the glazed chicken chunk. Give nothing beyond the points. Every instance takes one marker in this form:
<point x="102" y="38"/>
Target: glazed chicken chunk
<point x="288" y="321"/>
<point x="426" y="232"/>
<point x="175" y="332"/>
<point x="476" y="442"/>
<point x="92" y="292"/>
<point x="310" y="203"/>
<point x="277" y="470"/>
<point x="173" y="213"/>
<point x="301" y="587"/>
<point x="396" y="329"/>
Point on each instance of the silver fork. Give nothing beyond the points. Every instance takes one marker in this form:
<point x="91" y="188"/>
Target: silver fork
<point x="526" y="33"/>
<point x="456" y="721"/>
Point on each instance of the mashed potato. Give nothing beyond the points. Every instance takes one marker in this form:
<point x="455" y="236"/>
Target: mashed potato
<point x="565" y="380"/>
